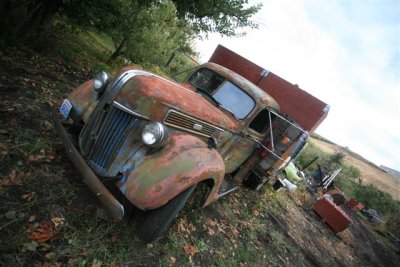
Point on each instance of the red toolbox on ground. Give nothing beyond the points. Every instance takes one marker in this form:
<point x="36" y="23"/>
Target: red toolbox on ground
<point x="332" y="215"/>
<point x="354" y="205"/>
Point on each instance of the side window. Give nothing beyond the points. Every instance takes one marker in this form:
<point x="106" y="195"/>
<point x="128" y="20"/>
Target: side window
<point x="262" y="122"/>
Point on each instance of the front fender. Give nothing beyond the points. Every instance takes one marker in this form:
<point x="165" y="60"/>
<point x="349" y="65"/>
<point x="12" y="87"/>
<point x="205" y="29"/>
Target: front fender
<point x="160" y="176"/>
<point x="83" y="100"/>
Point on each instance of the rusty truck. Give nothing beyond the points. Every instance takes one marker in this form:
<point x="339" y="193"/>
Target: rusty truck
<point x="144" y="141"/>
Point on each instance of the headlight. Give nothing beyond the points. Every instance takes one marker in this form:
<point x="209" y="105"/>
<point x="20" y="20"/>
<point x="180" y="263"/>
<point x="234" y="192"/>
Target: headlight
<point x="100" y="82"/>
<point x="155" y="134"/>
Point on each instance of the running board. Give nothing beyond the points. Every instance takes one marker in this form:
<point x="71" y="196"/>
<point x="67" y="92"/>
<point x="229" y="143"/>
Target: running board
<point x="228" y="186"/>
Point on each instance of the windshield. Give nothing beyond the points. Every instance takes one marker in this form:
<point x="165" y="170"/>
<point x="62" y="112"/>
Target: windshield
<point x="234" y="99"/>
<point x="228" y="95"/>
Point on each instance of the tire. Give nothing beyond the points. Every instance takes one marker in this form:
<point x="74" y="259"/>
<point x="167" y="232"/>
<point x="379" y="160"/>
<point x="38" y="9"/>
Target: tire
<point x="159" y="220"/>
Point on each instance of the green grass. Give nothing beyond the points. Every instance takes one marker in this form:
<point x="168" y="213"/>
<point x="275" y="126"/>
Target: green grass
<point x="318" y="137"/>
<point x="31" y="142"/>
<point x="86" y="49"/>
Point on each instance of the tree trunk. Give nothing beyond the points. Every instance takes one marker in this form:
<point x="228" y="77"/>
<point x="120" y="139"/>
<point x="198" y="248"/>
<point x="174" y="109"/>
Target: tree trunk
<point x="119" y="51"/>
<point x="29" y="20"/>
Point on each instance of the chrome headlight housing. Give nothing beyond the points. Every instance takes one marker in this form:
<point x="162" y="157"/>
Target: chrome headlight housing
<point x="100" y="82"/>
<point x="155" y="134"/>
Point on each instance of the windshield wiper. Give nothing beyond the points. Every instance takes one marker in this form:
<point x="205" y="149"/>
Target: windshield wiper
<point x="209" y="96"/>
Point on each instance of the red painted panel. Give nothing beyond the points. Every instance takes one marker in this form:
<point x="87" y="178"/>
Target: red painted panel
<point x="229" y="59"/>
<point x="332" y="215"/>
<point x="303" y="108"/>
<point x="354" y="205"/>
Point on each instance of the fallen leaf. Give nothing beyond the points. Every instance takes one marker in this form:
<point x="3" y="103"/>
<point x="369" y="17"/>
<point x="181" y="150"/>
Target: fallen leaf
<point x="211" y="222"/>
<point x="173" y="259"/>
<point x="47" y="125"/>
<point x="49" y="255"/>
<point x="11" y="214"/>
<point x="50" y="154"/>
<point x="58" y="221"/>
<point x="210" y="231"/>
<point x="32" y="218"/>
<point x="28" y="196"/>
<point x="41" y="237"/>
<point x="43" y="233"/>
<point x="31" y="246"/>
<point x="236" y="211"/>
<point x="3" y="149"/>
<point x="13" y="179"/>
<point x="96" y="263"/>
<point x="114" y="238"/>
<point x="33" y="158"/>
<point x="12" y="174"/>
<point x="235" y="231"/>
<point x="43" y="156"/>
<point x="190" y="250"/>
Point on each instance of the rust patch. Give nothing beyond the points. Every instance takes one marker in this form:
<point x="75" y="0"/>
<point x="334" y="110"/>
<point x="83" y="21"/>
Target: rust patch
<point x="139" y="95"/>
<point x="160" y="176"/>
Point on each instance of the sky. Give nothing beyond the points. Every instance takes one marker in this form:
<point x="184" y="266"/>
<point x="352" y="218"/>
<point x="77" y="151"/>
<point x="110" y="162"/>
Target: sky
<point x="346" y="53"/>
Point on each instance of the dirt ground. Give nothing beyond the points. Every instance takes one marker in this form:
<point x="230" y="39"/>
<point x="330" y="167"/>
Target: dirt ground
<point x="46" y="216"/>
<point x="369" y="172"/>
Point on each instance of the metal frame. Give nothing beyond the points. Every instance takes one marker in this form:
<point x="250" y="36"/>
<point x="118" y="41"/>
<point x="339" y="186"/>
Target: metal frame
<point x="272" y="135"/>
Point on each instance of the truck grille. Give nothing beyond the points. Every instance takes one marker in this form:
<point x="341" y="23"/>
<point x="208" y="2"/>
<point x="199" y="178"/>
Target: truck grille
<point x="183" y="122"/>
<point x="102" y="137"/>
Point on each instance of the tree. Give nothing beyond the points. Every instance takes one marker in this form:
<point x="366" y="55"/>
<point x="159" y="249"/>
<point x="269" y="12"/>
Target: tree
<point x="161" y="34"/>
<point x="150" y="29"/>
<point x="27" y="20"/>
<point x="222" y="16"/>
<point x="139" y="29"/>
<point x="117" y="19"/>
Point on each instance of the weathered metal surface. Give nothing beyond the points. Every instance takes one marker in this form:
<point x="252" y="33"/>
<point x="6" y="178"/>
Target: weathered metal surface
<point x="332" y="215"/>
<point x="151" y="180"/>
<point x="153" y="97"/>
<point x="109" y="138"/>
<point x="236" y="151"/>
<point x="106" y="198"/>
<point x="83" y="99"/>
<point x="181" y="121"/>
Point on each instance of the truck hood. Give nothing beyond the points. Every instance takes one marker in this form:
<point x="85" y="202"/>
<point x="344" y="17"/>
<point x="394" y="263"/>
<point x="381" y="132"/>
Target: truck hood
<point x="153" y="97"/>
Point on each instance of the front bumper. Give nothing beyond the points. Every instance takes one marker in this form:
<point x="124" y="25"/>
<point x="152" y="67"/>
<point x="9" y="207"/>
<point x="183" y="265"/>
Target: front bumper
<point x="115" y="208"/>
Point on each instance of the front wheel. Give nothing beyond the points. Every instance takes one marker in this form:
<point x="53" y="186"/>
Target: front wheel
<point x="158" y="221"/>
